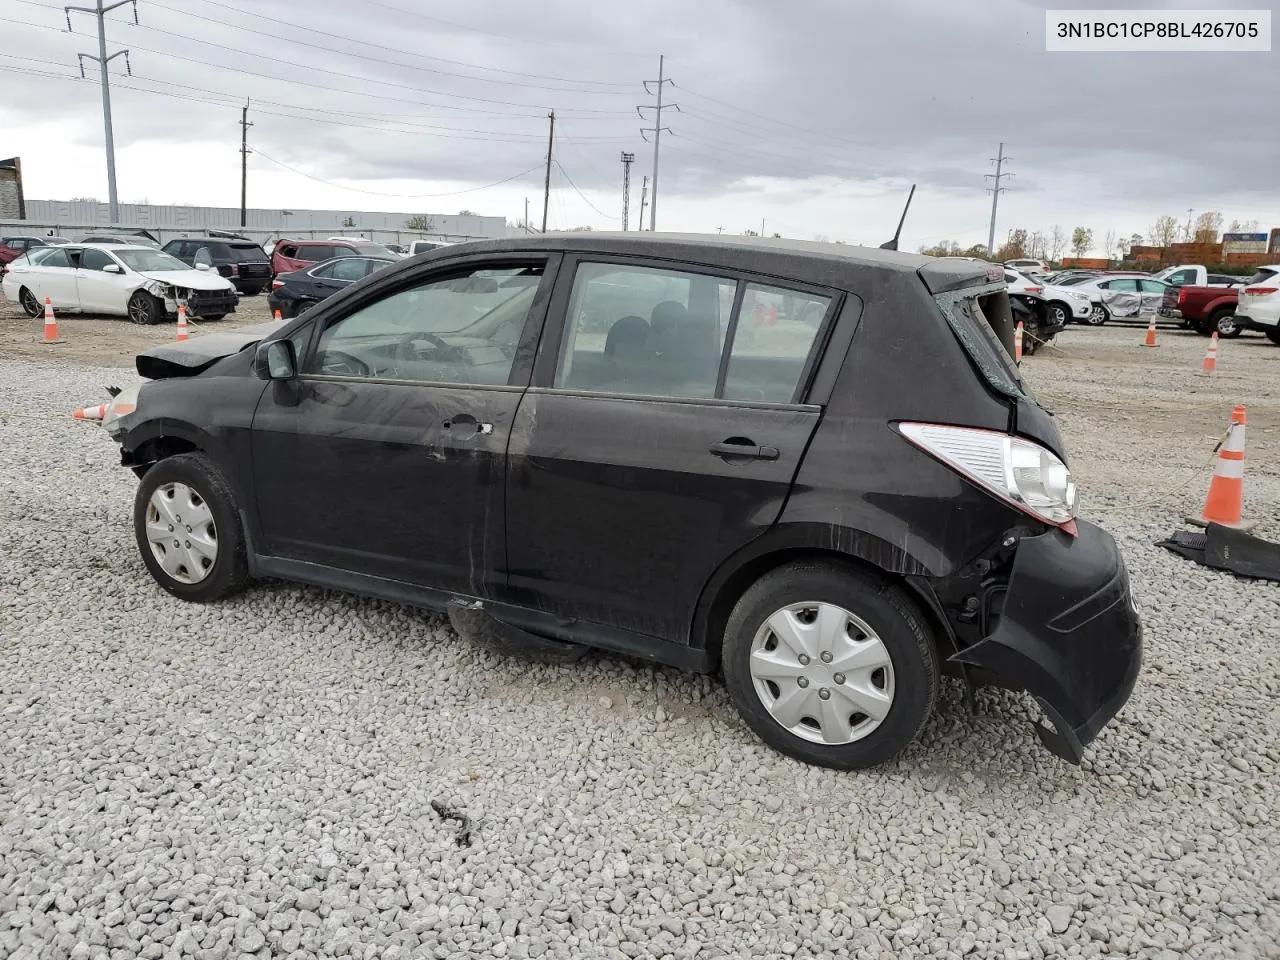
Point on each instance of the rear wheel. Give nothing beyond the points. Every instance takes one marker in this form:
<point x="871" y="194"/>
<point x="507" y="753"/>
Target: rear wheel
<point x="829" y="665"/>
<point x="1059" y="315"/>
<point x="30" y="303"/>
<point x="212" y="317"/>
<point x="1274" y="336"/>
<point x="1224" y="322"/>
<point x="145" y="309"/>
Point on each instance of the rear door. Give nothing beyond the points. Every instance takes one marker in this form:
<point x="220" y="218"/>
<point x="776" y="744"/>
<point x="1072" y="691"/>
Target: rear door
<point x="1122" y="298"/>
<point x="662" y="433"/>
<point x="54" y="276"/>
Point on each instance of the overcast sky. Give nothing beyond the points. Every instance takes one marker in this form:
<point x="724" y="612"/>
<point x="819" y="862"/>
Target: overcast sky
<point x="813" y="115"/>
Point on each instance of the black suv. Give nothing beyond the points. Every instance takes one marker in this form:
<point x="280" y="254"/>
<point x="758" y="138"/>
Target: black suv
<point x="243" y="262"/>
<point x="812" y="467"/>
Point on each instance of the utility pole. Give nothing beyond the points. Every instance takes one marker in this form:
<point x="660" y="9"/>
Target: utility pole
<point x="656" y="130"/>
<point x="102" y="60"/>
<point x="627" y="160"/>
<point x="526" y="216"/>
<point x="644" y="190"/>
<point x="999" y="160"/>
<point x="244" y="162"/>
<point x="546" y="187"/>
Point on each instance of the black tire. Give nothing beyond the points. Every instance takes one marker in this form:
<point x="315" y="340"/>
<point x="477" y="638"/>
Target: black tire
<point x="145" y="309"/>
<point x="478" y="626"/>
<point x="1274" y="336"/>
<point x="31" y="303"/>
<point x="887" y="609"/>
<point x="1202" y="327"/>
<point x="230" y="570"/>
<point x="1058" y="314"/>
<point x="1224" y="321"/>
<point x="211" y="318"/>
<point x="1098" y="316"/>
<point x="302" y="306"/>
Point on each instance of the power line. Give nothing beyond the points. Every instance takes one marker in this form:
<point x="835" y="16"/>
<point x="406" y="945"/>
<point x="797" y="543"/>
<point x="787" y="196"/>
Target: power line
<point x="579" y="192"/>
<point x="396" y="196"/>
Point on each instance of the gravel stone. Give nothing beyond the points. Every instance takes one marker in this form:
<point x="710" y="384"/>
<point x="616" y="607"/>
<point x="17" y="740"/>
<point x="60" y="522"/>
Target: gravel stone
<point x="179" y="778"/>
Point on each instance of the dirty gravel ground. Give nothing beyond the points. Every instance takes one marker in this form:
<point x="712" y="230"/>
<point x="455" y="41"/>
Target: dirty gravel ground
<point x="257" y="778"/>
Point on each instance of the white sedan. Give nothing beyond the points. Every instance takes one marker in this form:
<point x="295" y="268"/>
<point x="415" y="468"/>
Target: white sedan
<point x="1259" y="305"/>
<point x="141" y="283"/>
<point x="1061" y="304"/>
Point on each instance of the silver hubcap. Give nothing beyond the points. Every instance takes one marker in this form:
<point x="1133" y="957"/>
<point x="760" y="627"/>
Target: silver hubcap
<point x="1227" y="325"/>
<point x="181" y="532"/>
<point x="137" y="311"/>
<point x="1097" y="315"/>
<point x="822" y="673"/>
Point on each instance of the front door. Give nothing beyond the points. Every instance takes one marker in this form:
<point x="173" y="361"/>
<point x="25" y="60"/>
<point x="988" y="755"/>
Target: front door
<point x="387" y="455"/>
<point x="99" y="291"/>
<point x="662" y="434"/>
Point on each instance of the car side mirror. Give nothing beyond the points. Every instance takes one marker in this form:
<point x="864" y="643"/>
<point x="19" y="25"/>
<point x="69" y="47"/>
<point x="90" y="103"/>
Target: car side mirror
<point x="275" y="360"/>
<point x="113" y="268"/>
<point x="202" y="266"/>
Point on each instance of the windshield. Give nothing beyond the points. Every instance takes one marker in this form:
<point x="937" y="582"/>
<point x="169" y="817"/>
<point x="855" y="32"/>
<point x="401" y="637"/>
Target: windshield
<point x="373" y="250"/>
<point x="148" y="261"/>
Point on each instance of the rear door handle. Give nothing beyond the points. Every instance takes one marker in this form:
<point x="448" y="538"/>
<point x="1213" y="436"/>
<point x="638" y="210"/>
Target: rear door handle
<point x="740" y="448"/>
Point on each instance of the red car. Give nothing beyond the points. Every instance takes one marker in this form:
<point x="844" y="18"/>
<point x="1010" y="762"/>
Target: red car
<point x="290" y="255"/>
<point x="13" y="247"/>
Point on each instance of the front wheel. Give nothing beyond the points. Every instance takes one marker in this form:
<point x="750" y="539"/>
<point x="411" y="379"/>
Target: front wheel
<point x="145" y="309"/>
<point x="1098" y="315"/>
<point x="830" y="666"/>
<point x="1274" y="336"/>
<point x="188" y="529"/>
<point x="1224" y="321"/>
<point x="30" y="303"/>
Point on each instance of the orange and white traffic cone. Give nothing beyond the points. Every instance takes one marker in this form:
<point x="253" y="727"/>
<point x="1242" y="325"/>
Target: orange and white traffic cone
<point x="1017" y="344"/>
<point x="91" y="413"/>
<point x="1211" y="355"/>
<point x="50" y="324"/>
<point x="278" y="316"/>
<point x="1225" y="501"/>
<point x="1151" y="334"/>
<point x="182" y="322"/>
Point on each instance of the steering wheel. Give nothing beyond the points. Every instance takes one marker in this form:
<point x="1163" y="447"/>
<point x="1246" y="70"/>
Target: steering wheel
<point x="335" y="363"/>
<point x="405" y="349"/>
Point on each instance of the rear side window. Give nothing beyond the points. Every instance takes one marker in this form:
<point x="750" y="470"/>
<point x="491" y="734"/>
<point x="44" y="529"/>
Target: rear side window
<point x="973" y="315"/>
<point x="667" y="333"/>
<point x="56" y="258"/>
<point x="288" y="250"/>
<point x="315" y="253"/>
<point x="1262" y="276"/>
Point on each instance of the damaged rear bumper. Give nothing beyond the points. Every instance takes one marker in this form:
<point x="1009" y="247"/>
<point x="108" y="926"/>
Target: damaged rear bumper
<point x="1069" y="633"/>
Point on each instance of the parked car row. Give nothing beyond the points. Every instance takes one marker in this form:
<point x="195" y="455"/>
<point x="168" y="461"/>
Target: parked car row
<point x="141" y="283"/>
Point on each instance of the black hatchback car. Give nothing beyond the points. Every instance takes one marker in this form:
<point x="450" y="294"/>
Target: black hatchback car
<point x="243" y="262"/>
<point x="812" y="467"/>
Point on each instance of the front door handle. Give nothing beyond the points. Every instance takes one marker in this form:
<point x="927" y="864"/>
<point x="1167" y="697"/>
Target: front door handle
<point x="464" y="427"/>
<point x="740" y="448"/>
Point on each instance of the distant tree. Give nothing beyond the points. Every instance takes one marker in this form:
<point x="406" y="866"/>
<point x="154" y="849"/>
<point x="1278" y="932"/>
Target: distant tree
<point x="1207" y="227"/>
<point x="1164" y="231"/>
<point x="420" y="223"/>
<point x="777" y="236"/>
<point x="750" y="233"/>
<point x="1015" y="247"/>
<point x="1036" y="245"/>
<point x="467" y="213"/>
<point x="1081" y="240"/>
<point x="1057" y="243"/>
<point x="349" y="222"/>
<point x="1109" y="242"/>
<point x="978" y="250"/>
<point x="1245" y="226"/>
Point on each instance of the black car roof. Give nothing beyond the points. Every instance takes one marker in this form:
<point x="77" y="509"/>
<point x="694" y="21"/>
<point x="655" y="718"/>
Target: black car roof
<point x="832" y="264"/>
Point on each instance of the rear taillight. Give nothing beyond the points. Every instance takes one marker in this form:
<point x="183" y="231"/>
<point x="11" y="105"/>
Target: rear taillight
<point x="1260" y="291"/>
<point x="277" y="284"/>
<point x="1018" y="471"/>
<point x="1035" y="290"/>
<point x="1182" y="295"/>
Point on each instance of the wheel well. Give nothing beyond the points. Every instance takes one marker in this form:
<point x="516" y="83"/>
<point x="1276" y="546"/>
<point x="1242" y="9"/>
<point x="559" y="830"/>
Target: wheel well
<point x="739" y="582"/>
<point x="150" y="452"/>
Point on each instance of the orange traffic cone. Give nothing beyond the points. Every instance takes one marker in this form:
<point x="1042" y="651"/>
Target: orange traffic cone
<point x="1211" y="355"/>
<point x="50" y="324"/>
<point x="1017" y="344"/>
<point x="182" y="322"/>
<point x="91" y="413"/>
<point x="278" y="316"/>
<point x="1151" y="334"/>
<point x="1226" y="490"/>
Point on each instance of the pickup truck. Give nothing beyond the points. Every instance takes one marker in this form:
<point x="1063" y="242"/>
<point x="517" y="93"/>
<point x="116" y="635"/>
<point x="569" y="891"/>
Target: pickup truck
<point x="1203" y="308"/>
<point x="1195" y="275"/>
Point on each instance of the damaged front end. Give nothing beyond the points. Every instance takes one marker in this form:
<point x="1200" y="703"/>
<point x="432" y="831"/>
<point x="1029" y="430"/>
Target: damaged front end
<point x="1056" y="617"/>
